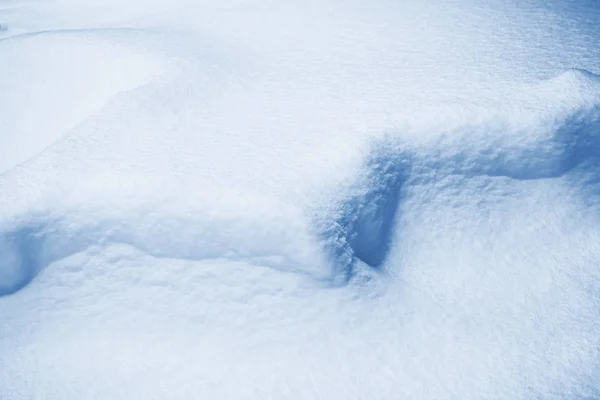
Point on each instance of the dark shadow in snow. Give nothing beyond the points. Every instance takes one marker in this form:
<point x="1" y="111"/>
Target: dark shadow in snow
<point x="364" y="224"/>
<point x="370" y="216"/>
<point x="21" y="258"/>
<point x="580" y="138"/>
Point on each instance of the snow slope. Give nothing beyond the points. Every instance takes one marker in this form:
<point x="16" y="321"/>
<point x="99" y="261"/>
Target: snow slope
<point x="317" y="199"/>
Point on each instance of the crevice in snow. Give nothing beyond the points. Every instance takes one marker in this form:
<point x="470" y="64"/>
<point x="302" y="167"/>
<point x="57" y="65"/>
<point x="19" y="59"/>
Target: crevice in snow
<point x="364" y="223"/>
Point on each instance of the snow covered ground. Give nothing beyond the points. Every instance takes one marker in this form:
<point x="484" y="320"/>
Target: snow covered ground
<point x="329" y="199"/>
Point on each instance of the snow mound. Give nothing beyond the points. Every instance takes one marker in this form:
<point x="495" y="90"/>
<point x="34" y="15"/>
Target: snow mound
<point x="566" y="141"/>
<point x="319" y="200"/>
<point x="214" y="226"/>
<point x="360" y="229"/>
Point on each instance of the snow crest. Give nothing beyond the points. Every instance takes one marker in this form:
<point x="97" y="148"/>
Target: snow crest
<point x="566" y="141"/>
<point x="363" y="224"/>
<point x="319" y="200"/>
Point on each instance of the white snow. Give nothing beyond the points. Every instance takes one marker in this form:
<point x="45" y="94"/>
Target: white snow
<point x="306" y="199"/>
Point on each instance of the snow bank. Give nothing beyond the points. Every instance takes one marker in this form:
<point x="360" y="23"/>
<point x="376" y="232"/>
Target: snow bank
<point x="373" y="202"/>
<point x="531" y="145"/>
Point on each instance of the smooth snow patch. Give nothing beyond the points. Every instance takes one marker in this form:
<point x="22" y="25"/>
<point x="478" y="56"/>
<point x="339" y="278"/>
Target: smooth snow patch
<point x="62" y="78"/>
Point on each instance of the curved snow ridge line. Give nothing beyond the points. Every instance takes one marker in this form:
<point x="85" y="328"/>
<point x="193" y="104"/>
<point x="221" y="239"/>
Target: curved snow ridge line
<point x="360" y="230"/>
<point x="573" y="142"/>
<point x="7" y="32"/>
<point x="357" y="234"/>
<point x="81" y="33"/>
<point x="75" y="66"/>
<point x="31" y="244"/>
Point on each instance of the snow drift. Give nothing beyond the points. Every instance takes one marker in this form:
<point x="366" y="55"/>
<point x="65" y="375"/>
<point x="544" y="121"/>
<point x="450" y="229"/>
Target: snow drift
<point x="374" y="203"/>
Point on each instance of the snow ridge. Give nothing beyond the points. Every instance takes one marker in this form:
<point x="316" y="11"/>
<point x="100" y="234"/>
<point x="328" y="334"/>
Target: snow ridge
<point x="365" y="222"/>
<point x="361" y="228"/>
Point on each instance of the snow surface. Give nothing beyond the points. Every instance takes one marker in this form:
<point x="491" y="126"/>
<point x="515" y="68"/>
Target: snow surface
<point x="305" y="199"/>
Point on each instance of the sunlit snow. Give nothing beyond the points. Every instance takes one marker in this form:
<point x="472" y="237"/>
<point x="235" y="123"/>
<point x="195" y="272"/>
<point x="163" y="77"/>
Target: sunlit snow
<point x="247" y="199"/>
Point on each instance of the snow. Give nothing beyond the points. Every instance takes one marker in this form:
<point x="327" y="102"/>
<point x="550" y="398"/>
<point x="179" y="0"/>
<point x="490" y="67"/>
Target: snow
<point x="316" y="199"/>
